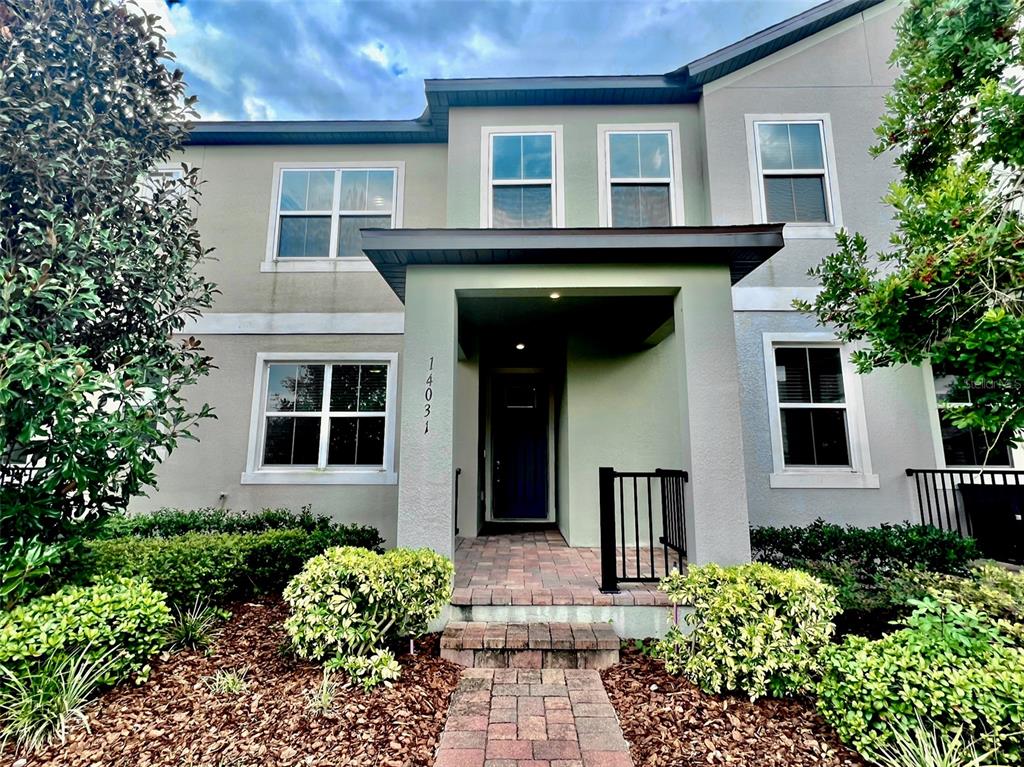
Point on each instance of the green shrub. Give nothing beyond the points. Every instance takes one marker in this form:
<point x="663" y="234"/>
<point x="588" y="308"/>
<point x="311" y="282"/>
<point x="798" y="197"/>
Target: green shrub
<point x="24" y="567"/>
<point x="367" y="671"/>
<point x="122" y="622"/>
<point x="195" y="627"/>
<point x="951" y="666"/>
<point x="755" y="629"/>
<point x="989" y="589"/>
<point x="166" y="523"/>
<point x="350" y="601"/>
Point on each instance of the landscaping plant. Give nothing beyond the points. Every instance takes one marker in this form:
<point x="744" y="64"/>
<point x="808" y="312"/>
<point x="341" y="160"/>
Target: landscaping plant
<point x="195" y="627"/>
<point x="951" y="666"/>
<point x="925" y="745"/>
<point x="37" y="705"/>
<point x="122" y="623"/>
<point x="97" y="278"/>
<point x="228" y="681"/>
<point x="989" y="589"/>
<point x="754" y="629"/>
<point x="367" y="671"/>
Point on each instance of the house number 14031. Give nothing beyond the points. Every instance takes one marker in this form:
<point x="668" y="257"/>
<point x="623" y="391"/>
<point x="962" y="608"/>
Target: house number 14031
<point x="428" y="394"/>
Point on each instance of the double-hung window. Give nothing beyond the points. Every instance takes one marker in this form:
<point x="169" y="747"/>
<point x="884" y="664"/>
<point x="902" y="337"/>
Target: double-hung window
<point x="322" y="416"/>
<point x="966" y="447"/>
<point x="321" y="210"/>
<point x="818" y="431"/>
<point x="522" y="177"/>
<point x="794" y="174"/>
<point x="640" y="178"/>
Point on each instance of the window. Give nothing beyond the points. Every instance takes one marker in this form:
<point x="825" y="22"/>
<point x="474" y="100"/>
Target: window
<point x="323" y="417"/>
<point x="522" y="179"/>
<point x="156" y="179"/>
<point x="792" y="172"/>
<point x="320" y="212"/>
<point x="640" y="178"/>
<point x="966" y="447"/>
<point x="818" y="432"/>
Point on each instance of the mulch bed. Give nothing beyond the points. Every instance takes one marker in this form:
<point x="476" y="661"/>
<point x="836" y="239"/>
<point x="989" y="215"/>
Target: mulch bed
<point x="174" y="720"/>
<point x="670" y="723"/>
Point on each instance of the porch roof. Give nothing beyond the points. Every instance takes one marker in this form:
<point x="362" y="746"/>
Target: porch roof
<point x="743" y="248"/>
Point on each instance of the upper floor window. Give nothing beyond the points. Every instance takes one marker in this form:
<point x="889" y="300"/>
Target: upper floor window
<point x="966" y="447"/>
<point x="794" y="174"/>
<point x="522" y="178"/>
<point x="158" y="178"/>
<point x="320" y="212"/>
<point x="640" y="178"/>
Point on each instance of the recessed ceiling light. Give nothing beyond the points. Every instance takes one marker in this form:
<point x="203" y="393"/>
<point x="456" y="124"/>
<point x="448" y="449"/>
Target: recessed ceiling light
<point x="555" y="295"/>
<point x="520" y="347"/>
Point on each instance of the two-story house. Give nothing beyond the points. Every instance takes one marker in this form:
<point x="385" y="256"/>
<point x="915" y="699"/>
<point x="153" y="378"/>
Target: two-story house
<point x="451" y="323"/>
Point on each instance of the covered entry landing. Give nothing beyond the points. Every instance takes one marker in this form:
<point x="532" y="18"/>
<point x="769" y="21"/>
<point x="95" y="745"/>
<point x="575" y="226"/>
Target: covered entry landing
<point x="540" y="568"/>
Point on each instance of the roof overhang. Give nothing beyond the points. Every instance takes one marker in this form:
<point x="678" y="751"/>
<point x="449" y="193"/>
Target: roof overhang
<point x="741" y="248"/>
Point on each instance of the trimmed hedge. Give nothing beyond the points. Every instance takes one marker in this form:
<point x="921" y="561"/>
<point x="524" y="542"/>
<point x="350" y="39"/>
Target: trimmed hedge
<point x="121" y="623"/>
<point x="215" y="566"/>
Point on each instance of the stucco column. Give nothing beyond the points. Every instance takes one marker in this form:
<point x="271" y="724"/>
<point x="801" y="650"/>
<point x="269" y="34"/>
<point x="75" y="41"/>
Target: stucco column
<point x="717" y="526"/>
<point x="426" y="477"/>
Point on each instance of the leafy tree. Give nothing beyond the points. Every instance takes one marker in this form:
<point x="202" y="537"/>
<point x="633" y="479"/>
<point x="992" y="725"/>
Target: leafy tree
<point x="97" y="270"/>
<point x="951" y="288"/>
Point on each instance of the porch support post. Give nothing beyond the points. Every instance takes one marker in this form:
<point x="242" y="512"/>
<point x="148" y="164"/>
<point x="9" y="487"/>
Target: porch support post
<point x="426" y="477"/>
<point x="717" y="525"/>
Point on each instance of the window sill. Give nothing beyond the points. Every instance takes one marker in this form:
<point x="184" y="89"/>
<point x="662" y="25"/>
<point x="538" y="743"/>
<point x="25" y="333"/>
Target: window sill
<point x="299" y="265"/>
<point x="810" y="231"/>
<point x="823" y="479"/>
<point x="308" y="477"/>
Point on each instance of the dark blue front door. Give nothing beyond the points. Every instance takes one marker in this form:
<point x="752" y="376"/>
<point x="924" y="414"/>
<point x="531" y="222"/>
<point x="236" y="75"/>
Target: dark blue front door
<point x="519" y="443"/>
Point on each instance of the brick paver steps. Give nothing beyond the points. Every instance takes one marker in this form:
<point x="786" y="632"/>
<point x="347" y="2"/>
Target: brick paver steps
<point x="530" y="645"/>
<point x="531" y="718"/>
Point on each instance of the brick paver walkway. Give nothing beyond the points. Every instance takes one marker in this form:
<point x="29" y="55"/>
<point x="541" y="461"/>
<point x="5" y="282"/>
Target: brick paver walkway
<point x="531" y="718"/>
<point x="542" y="569"/>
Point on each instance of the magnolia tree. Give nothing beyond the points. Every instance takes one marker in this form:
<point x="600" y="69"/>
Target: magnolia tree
<point x="951" y="287"/>
<point x="98" y="262"/>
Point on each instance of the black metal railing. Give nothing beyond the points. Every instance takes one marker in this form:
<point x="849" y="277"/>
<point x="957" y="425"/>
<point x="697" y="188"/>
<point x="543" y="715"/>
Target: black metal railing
<point x="643" y="525"/>
<point x="984" y="504"/>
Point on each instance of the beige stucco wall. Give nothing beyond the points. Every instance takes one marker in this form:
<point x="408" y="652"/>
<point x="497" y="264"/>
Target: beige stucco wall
<point x="580" y="137"/>
<point x="236" y="211"/>
<point x="197" y="473"/>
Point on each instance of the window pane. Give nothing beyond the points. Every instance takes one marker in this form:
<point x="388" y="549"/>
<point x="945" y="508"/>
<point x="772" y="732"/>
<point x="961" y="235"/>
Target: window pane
<point x="640" y="205"/>
<point x="536" y="206"/>
<point x="293" y="388"/>
<point x="626" y="205"/>
<point x="304" y="237"/>
<point x="805" y="140"/>
<point x="814" y="437"/>
<point x="344" y="388"/>
<point x="654" y="205"/>
<point x="356" y="442"/>
<point x="353" y="189"/>
<point x="307" y="189"/>
<point x="507" y="157"/>
<point x="624" y="150"/>
<point x="291" y="441"/>
<point x="795" y="199"/>
<point x="350" y="242"/>
<point x="826" y="375"/>
<point x="373" y="388"/>
<point x="537" y="157"/>
<point x="654" y="156"/>
<point x="522" y="206"/>
<point x="969" y="447"/>
<point x="380" y="190"/>
<point x="791" y="374"/>
<point x="773" y="141"/>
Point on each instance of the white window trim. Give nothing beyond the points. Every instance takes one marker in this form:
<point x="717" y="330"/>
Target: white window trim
<point x="604" y="180"/>
<point x="932" y="401"/>
<point x="271" y="263"/>
<point x="487" y="134"/>
<point x="859" y="475"/>
<point x="795" y="231"/>
<point x="255" y="474"/>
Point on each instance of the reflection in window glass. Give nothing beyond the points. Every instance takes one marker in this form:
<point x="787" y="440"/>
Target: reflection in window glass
<point x="812" y="406"/>
<point x="792" y="161"/>
<point x="640" y="169"/>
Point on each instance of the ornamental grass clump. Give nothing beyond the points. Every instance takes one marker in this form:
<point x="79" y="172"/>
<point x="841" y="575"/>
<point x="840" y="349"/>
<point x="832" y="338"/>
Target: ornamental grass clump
<point x="351" y="605"/>
<point x="754" y="629"/>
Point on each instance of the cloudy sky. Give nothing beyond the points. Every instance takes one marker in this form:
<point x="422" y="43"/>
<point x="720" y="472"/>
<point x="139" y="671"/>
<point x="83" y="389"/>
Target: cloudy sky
<point x="338" y="59"/>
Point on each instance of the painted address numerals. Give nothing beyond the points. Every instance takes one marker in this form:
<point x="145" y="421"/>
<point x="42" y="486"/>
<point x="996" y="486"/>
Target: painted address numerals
<point x="428" y="394"/>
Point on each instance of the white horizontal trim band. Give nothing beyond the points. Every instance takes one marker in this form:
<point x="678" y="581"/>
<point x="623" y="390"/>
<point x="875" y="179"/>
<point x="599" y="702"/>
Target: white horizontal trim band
<point x="770" y="299"/>
<point x="301" y="323"/>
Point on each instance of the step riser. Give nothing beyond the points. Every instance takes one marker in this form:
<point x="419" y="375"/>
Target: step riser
<point x="532" y="659"/>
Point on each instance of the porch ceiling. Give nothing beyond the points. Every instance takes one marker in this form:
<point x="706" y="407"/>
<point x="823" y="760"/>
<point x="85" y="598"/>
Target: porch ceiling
<point x="742" y="248"/>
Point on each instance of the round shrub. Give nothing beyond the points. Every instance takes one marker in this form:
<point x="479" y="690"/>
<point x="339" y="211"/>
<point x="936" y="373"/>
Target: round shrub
<point x="120" y="623"/>
<point x="350" y="601"/>
<point x="754" y="629"/>
<point x="951" y="666"/>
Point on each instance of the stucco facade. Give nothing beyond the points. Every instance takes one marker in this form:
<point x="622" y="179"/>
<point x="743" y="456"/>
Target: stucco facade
<point x="698" y="390"/>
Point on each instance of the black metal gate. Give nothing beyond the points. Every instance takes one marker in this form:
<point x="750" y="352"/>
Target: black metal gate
<point x="643" y="525"/>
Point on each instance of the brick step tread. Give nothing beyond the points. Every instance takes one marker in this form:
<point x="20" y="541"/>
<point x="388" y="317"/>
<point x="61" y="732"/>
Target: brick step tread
<point x="467" y="596"/>
<point x="473" y="635"/>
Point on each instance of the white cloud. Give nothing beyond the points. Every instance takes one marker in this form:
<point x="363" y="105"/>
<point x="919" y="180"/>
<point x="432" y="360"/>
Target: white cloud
<point x="375" y="52"/>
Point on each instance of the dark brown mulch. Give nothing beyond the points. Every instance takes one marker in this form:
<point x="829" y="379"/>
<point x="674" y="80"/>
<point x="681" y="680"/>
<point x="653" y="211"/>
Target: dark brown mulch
<point x="670" y="723"/>
<point x="173" y="719"/>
